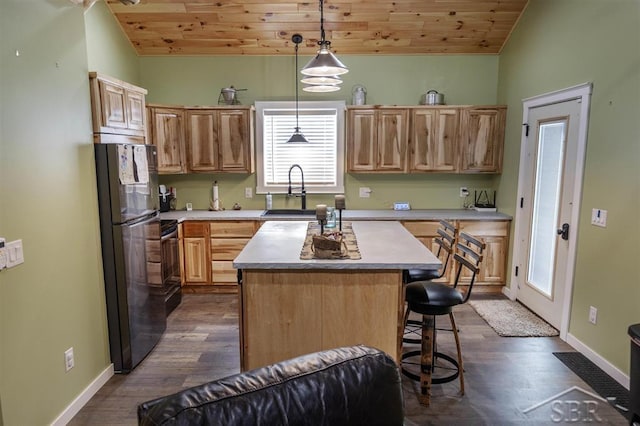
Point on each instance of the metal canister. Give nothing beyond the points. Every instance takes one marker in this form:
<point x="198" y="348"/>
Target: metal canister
<point x="432" y="97"/>
<point x="359" y="95"/>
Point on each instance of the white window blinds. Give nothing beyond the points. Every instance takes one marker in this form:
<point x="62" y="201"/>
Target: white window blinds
<point x="321" y="159"/>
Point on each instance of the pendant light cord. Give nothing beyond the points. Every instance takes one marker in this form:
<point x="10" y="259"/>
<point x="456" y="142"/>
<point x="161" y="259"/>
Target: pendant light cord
<point x="322" y="40"/>
<point x="296" y="78"/>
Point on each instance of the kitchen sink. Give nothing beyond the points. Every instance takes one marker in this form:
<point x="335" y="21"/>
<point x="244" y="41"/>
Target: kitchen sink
<point x="289" y="212"/>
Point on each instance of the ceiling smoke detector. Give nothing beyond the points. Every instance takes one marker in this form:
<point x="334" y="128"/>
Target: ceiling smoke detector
<point x="127" y="2"/>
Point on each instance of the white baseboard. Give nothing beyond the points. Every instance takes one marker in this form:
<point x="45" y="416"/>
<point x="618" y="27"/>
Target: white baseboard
<point x="605" y="365"/>
<point x="507" y="292"/>
<point x="84" y="397"/>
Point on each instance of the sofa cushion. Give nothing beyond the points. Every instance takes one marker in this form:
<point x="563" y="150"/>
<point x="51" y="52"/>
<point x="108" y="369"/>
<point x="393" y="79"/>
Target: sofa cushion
<point x="355" y="385"/>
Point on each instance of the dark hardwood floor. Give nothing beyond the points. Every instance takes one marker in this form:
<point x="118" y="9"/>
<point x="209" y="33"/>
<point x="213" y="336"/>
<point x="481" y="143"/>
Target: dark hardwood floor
<point x="503" y="376"/>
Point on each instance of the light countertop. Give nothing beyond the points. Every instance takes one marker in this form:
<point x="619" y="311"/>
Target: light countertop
<point x="355" y="215"/>
<point x="382" y="245"/>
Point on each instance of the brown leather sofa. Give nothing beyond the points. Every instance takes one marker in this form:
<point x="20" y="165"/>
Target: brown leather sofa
<point x="355" y="385"/>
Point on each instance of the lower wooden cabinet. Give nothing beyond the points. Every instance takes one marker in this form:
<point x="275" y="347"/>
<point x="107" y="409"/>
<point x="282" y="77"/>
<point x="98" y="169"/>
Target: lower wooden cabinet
<point x="209" y="248"/>
<point x="494" y="233"/>
<point x="195" y="246"/>
<point x="228" y="238"/>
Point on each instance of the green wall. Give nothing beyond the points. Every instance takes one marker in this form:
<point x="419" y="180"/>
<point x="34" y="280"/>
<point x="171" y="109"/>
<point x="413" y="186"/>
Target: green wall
<point x="389" y="80"/>
<point x="55" y="300"/>
<point x="559" y="44"/>
<point x="109" y="50"/>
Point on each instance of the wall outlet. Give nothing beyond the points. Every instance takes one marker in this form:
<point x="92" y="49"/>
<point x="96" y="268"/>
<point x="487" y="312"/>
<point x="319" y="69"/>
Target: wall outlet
<point x="593" y="315"/>
<point x="365" y="192"/>
<point x="248" y="192"/>
<point x="69" y="362"/>
<point x="463" y="191"/>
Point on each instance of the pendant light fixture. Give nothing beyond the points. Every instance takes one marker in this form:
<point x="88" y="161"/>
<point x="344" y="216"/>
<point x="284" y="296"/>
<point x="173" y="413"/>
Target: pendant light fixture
<point x="325" y="64"/>
<point x="297" y="136"/>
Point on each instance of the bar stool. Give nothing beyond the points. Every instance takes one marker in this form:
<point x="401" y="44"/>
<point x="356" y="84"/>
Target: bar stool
<point x="432" y="299"/>
<point x="445" y="242"/>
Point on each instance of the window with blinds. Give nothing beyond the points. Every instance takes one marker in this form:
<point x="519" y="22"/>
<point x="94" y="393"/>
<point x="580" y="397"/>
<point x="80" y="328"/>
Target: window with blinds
<point x="322" y="160"/>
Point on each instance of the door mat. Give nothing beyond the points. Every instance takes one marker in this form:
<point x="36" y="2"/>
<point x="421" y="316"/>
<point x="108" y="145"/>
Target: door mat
<point x="603" y="384"/>
<point x="511" y="319"/>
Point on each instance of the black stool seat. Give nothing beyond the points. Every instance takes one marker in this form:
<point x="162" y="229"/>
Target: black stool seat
<point x="429" y="298"/>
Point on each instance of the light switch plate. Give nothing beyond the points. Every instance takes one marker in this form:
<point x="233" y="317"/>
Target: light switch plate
<point x="599" y="217"/>
<point x="15" y="255"/>
<point x="401" y="206"/>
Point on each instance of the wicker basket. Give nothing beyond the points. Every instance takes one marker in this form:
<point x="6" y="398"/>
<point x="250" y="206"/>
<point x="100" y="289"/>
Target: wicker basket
<point x="329" y="246"/>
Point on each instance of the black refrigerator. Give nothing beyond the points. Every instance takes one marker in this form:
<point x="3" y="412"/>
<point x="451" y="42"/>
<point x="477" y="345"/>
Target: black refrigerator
<point x="130" y="232"/>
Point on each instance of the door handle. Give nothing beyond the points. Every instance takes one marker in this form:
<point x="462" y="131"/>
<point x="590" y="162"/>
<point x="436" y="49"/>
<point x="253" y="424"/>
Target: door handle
<point x="564" y="231"/>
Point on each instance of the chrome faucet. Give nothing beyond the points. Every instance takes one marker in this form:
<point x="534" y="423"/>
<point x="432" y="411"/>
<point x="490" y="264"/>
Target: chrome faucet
<point x="303" y="193"/>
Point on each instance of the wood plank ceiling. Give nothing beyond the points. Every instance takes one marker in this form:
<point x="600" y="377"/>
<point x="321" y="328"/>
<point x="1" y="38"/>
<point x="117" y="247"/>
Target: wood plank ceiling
<point x="256" y="27"/>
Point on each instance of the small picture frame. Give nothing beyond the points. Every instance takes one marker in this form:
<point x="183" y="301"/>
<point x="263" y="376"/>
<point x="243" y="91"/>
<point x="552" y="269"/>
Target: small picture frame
<point x="189" y="207"/>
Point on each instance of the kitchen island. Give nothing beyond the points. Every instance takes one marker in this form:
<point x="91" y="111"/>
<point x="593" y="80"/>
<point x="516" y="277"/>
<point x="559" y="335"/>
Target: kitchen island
<point x="289" y="306"/>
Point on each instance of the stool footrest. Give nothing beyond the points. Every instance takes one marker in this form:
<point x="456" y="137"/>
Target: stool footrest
<point x="437" y="355"/>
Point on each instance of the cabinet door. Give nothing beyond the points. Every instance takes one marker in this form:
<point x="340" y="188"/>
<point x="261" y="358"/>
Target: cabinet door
<point x="113" y="105"/>
<point x="434" y="139"/>
<point x="362" y="144"/>
<point x="392" y="140"/>
<point x="482" y="139"/>
<point x="168" y="137"/>
<point x="196" y="260"/>
<point x="234" y="137"/>
<point x="495" y="235"/>
<point x="135" y="110"/>
<point x="202" y="140"/>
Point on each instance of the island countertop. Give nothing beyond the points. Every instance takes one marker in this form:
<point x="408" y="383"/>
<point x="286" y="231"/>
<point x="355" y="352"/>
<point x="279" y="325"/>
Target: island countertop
<point x="382" y="245"/>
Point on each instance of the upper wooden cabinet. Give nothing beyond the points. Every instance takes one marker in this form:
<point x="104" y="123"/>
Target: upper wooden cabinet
<point x="482" y="139"/>
<point x="166" y="132"/>
<point x="445" y="139"/>
<point x="202" y="140"/>
<point x="220" y="140"/>
<point x="118" y="107"/>
<point x="434" y="139"/>
<point x="377" y="139"/>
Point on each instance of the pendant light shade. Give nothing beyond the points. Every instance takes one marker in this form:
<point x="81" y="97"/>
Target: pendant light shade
<point x="297" y="136"/>
<point x="321" y="88"/>
<point x="332" y="79"/>
<point x="325" y="63"/>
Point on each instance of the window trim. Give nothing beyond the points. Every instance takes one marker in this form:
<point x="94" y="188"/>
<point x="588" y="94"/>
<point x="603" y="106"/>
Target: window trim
<point x="339" y="106"/>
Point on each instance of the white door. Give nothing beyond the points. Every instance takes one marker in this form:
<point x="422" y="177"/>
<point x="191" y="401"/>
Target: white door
<point x="550" y="186"/>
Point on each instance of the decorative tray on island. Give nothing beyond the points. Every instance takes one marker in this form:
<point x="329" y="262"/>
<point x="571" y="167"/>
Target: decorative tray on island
<point x="329" y="246"/>
<point x="333" y="244"/>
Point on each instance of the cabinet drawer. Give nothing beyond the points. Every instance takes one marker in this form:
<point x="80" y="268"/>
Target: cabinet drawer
<point x="194" y="229"/>
<point x="227" y="248"/>
<point x="243" y="228"/>
<point x="479" y="228"/>
<point x="422" y="228"/>
<point x="223" y="272"/>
